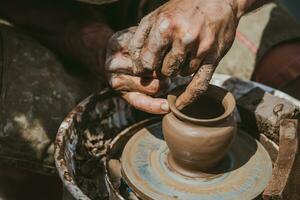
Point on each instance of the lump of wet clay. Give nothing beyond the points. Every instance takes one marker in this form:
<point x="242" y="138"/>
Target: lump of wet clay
<point x="261" y="112"/>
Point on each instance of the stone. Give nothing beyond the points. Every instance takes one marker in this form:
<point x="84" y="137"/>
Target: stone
<point x="261" y="112"/>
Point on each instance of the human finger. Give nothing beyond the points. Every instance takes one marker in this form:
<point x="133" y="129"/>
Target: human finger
<point x="197" y="86"/>
<point x="150" y="86"/>
<point x="119" y="41"/>
<point x="146" y="103"/>
<point x="119" y="63"/>
<point x="205" y="46"/>
<point x="138" y="40"/>
<point x="157" y="42"/>
<point x="174" y="59"/>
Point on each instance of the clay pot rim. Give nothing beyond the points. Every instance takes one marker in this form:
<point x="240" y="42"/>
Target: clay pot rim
<point x="228" y="104"/>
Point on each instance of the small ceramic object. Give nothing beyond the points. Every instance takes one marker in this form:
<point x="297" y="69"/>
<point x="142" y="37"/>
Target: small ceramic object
<point x="200" y="135"/>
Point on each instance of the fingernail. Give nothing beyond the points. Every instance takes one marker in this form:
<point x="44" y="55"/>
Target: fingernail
<point x="165" y="106"/>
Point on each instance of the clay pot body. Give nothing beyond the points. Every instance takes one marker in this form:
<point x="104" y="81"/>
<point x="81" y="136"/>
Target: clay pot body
<point x="200" y="135"/>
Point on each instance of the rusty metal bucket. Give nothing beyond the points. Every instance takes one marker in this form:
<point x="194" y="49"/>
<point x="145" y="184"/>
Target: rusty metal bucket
<point x="91" y="129"/>
<point x="77" y="160"/>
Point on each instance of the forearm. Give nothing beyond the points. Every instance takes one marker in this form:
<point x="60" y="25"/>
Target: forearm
<point x="242" y="7"/>
<point x="72" y="31"/>
<point x="251" y="5"/>
<point x="254" y="4"/>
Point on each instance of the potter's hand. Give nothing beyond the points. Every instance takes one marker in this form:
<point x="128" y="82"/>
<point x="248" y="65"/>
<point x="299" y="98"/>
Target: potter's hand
<point x="185" y="37"/>
<point x="136" y="90"/>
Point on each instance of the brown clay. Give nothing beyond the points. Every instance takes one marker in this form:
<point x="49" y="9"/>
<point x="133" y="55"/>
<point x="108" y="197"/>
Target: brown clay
<point x="200" y="135"/>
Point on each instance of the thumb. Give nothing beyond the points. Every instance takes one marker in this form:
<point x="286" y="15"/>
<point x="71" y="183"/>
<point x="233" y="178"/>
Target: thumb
<point x="146" y="103"/>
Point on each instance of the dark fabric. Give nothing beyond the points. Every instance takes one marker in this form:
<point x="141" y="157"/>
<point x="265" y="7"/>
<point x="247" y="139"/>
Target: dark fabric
<point x="292" y="7"/>
<point x="280" y="28"/>
<point x="279" y="66"/>
<point x="278" y="56"/>
<point x="36" y="94"/>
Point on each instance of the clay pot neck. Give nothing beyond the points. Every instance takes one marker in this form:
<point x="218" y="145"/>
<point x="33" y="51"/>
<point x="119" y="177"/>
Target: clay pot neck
<point x="219" y="106"/>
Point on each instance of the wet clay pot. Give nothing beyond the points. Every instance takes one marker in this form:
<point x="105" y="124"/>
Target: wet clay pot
<point x="200" y="135"/>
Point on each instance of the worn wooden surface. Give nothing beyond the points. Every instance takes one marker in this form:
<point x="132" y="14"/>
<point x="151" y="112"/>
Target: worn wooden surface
<point x="280" y="186"/>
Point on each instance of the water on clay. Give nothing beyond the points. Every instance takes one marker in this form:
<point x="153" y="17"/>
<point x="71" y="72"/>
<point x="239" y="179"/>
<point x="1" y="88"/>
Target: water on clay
<point x="204" y="108"/>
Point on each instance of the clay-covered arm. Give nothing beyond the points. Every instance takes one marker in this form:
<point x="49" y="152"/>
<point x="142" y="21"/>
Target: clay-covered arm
<point x="72" y="30"/>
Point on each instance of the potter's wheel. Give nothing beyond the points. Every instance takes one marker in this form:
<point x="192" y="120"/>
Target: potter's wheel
<point x="244" y="173"/>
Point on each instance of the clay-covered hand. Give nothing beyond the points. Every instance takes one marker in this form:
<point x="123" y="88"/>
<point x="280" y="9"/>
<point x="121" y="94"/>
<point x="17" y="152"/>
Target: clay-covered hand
<point x="186" y="37"/>
<point x="136" y="90"/>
